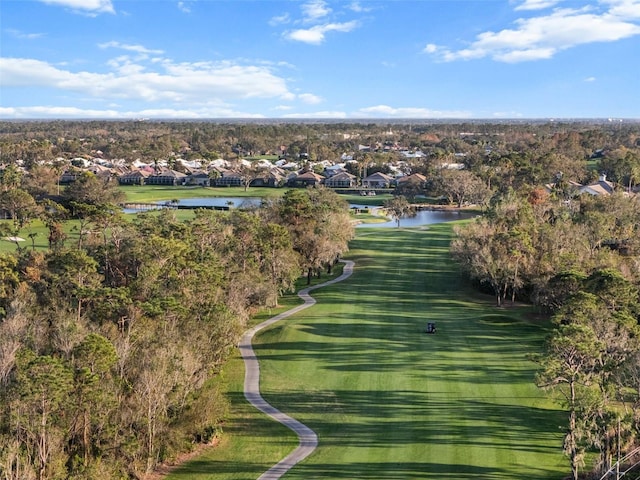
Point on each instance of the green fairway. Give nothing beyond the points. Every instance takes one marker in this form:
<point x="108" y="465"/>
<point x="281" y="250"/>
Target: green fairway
<point x="36" y="236"/>
<point x="389" y="401"/>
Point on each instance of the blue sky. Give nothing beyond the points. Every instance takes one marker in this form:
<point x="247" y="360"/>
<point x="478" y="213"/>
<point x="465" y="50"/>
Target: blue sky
<point x="201" y="59"/>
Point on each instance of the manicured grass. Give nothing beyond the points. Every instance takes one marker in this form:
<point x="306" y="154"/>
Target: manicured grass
<point x="373" y="201"/>
<point x="389" y="401"/>
<point x="154" y="193"/>
<point x="373" y="215"/>
<point x="40" y="239"/>
<point x="70" y="227"/>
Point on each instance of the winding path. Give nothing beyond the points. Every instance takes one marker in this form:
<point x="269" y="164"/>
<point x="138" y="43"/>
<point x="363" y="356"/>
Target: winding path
<point x="307" y="438"/>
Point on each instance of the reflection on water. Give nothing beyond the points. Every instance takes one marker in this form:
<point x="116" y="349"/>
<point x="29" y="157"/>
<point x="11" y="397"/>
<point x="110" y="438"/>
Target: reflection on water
<point x="231" y="202"/>
<point x="423" y="217"/>
<point x="228" y="202"/>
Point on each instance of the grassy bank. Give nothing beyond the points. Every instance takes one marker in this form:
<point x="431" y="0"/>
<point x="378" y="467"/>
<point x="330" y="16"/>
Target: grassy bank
<point x="155" y="193"/>
<point x="386" y="399"/>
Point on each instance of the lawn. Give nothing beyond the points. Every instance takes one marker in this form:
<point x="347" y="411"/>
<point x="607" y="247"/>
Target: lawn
<point x="389" y="401"/>
<point x="36" y="235"/>
<point x="154" y="193"/>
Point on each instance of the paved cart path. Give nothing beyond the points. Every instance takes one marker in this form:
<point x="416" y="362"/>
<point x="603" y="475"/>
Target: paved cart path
<point x="307" y="438"/>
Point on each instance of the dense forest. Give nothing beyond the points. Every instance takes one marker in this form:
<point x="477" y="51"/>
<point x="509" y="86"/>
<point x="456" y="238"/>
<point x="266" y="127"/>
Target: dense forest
<point x="108" y="343"/>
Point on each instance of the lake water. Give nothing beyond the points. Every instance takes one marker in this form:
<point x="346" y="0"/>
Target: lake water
<point x="232" y="202"/>
<point x="423" y="217"/>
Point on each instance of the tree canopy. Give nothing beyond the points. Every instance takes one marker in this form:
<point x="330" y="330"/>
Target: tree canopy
<point x="106" y="346"/>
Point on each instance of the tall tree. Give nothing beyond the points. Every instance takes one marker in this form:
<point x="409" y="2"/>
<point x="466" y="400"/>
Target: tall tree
<point x="460" y="187"/>
<point x="39" y="401"/>
<point x="95" y="393"/>
<point x="319" y="224"/>
<point x="568" y="367"/>
<point x="90" y="189"/>
<point x="21" y="206"/>
<point x="398" y="207"/>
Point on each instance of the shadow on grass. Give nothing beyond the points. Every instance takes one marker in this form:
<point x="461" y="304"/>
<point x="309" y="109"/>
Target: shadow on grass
<point x="357" y="470"/>
<point x="402" y="470"/>
<point x="359" y="370"/>
<point x="366" y="419"/>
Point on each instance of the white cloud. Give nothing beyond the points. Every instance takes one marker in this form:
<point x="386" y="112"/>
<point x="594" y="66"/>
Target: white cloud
<point x="280" y="20"/>
<point x="358" y="7"/>
<point x="310" y="98"/>
<point x="409" y="112"/>
<point x="22" y="35"/>
<point x="507" y="115"/>
<point x="130" y="48"/>
<point x="516" y="56"/>
<point x="431" y="48"/>
<point x="629" y="9"/>
<point x="316" y="22"/>
<point x="184" y="7"/>
<point x="86" y="6"/>
<point x="54" y="112"/>
<point x="542" y="37"/>
<point x="74" y="112"/>
<point x="313" y="35"/>
<point x="382" y="111"/>
<point x="590" y="79"/>
<point x="197" y="113"/>
<point x="316" y="34"/>
<point x="187" y="83"/>
<point x="536" y="4"/>
<point x="323" y="114"/>
<point x="315" y="10"/>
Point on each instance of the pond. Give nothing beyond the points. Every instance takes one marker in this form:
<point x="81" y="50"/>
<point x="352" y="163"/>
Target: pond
<point x="423" y="217"/>
<point x="232" y="202"/>
<point x="212" y="202"/>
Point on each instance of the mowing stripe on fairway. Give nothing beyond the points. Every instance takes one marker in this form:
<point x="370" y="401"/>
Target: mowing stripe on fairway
<point x="389" y="401"/>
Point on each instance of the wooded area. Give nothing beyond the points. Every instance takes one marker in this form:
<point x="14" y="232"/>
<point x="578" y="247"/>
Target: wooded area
<point x="107" y="344"/>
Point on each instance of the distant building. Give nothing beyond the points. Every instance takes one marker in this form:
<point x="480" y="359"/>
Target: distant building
<point x="135" y="177"/>
<point x="341" y="180"/>
<point x="414" y="178"/>
<point x="198" y="178"/>
<point x="167" y="177"/>
<point x="378" y="180"/>
<point x="601" y="187"/>
<point x="305" y="180"/>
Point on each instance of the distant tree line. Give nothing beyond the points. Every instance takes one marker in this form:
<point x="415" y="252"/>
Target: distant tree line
<point x="464" y="163"/>
<point x="471" y="143"/>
